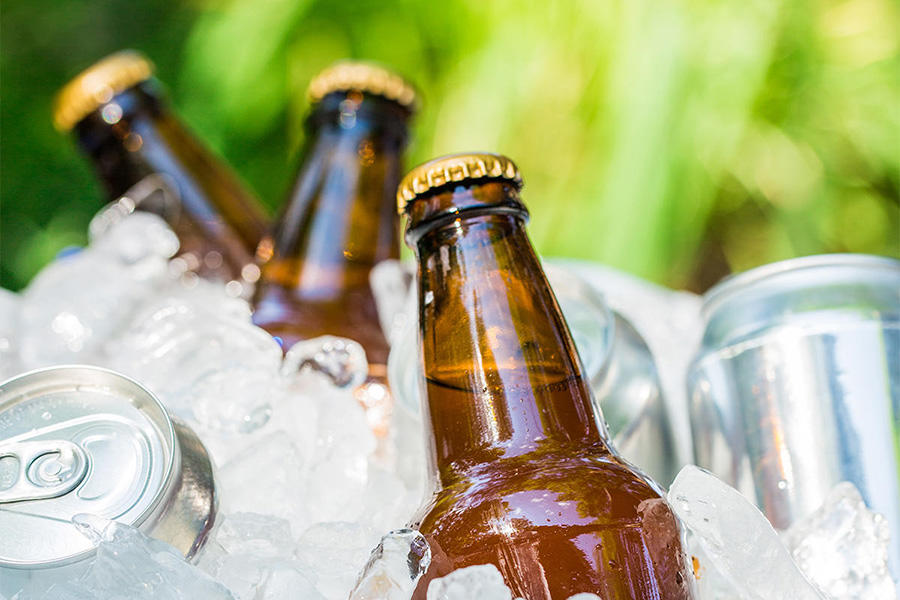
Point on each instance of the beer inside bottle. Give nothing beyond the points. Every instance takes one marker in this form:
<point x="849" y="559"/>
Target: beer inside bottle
<point x="525" y="476"/>
<point x="340" y="218"/>
<point x="141" y="151"/>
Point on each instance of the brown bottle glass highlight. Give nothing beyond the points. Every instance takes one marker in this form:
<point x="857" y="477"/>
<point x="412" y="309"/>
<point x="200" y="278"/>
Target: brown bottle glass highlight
<point x="525" y="477"/>
<point x="338" y="223"/>
<point x="140" y="149"/>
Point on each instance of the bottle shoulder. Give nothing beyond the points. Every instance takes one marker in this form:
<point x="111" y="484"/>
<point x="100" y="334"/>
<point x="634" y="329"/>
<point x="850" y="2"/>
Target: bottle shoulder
<point x="589" y="488"/>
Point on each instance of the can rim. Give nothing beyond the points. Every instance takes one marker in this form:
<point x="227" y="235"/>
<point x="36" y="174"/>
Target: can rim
<point x="167" y="430"/>
<point x="727" y="287"/>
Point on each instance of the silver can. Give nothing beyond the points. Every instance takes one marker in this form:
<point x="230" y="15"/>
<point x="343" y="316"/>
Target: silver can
<point x="79" y="439"/>
<point x="797" y="385"/>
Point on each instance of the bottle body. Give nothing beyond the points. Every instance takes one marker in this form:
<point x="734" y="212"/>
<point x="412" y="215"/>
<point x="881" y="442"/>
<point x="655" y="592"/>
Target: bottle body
<point x="140" y="150"/>
<point x="524" y="476"/>
<point x="338" y="223"/>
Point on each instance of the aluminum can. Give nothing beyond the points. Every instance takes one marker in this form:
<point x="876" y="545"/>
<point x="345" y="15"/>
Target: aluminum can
<point x="81" y="439"/>
<point x="796" y="386"/>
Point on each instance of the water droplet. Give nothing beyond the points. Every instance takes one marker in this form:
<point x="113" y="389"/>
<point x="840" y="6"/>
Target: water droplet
<point x="46" y="415"/>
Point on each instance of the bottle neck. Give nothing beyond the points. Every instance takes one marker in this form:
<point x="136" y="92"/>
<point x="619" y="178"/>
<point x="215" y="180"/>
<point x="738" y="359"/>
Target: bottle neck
<point x="502" y="374"/>
<point x="340" y="219"/>
<point x="110" y="136"/>
<point x="134" y="136"/>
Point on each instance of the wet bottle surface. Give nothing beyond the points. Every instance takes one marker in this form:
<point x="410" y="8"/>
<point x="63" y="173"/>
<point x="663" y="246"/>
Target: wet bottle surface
<point x="340" y="219"/>
<point x="140" y="150"/>
<point x="525" y="478"/>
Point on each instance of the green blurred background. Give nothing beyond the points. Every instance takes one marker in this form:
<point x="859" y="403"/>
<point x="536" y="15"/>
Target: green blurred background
<point x="676" y="139"/>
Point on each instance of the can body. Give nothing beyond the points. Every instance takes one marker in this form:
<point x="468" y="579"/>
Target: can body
<point x="797" y="385"/>
<point x="78" y="439"/>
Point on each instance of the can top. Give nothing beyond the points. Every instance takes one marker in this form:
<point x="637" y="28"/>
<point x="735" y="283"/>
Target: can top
<point x="744" y="303"/>
<point x="77" y="439"/>
<point x="96" y="85"/>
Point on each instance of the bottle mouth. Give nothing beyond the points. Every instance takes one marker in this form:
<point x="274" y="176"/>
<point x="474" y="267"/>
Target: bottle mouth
<point x="455" y="202"/>
<point x="453" y="170"/>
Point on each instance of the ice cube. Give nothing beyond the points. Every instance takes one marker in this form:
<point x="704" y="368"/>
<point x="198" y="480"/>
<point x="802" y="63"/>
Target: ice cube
<point x="236" y="399"/>
<point x="737" y="538"/>
<point x="73" y="305"/>
<point x="130" y="565"/>
<point x="253" y="554"/>
<point x="340" y="360"/>
<point x="391" y="282"/>
<point x="252" y="533"/>
<point x="843" y="548"/>
<point x="138" y="240"/>
<point x="394" y="568"/>
<point x="340" y="467"/>
<point x="285" y="582"/>
<point x="268" y="478"/>
<point x="387" y="502"/>
<point x="197" y="352"/>
<point x="336" y="553"/>
<point x="480" y="581"/>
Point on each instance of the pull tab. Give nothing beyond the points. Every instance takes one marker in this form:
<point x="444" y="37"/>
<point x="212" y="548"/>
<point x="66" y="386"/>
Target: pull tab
<point x="39" y="470"/>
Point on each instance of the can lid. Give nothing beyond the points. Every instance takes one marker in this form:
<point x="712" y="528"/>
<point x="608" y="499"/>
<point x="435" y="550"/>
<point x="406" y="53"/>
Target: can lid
<point x="96" y="85"/>
<point x="77" y="439"/>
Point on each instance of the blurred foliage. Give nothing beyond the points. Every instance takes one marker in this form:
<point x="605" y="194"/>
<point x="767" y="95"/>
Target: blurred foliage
<point x="677" y="140"/>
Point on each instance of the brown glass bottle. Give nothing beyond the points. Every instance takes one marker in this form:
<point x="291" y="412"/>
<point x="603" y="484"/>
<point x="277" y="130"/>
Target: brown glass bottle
<point x="340" y="218"/>
<point x="139" y="149"/>
<point x="525" y="476"/>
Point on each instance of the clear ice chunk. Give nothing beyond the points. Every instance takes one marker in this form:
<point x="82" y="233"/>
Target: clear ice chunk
<point x="341" y="360"/>
<point x="344" y="442"/>
<point x="284" y="582"/>
<point x="391" y="282"/>
<point x="73" y="306"/>
<point x="253" y="533"/>
<point x="737" y="539"/>
<point x="336" y="552"/>
<point x="197" y="350"/>
<point x="480" y="581"/>
<point x="267" y="477"/>
<point x="130" y="565"/>
<point x="843" y="548"/>
<point x="394" y="568"/>
<point x="135" y="239"/>
<point x="253" y="554"/>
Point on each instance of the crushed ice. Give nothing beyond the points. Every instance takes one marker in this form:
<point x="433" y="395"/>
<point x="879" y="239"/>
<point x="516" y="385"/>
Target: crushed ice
<point x="305" y="491"/>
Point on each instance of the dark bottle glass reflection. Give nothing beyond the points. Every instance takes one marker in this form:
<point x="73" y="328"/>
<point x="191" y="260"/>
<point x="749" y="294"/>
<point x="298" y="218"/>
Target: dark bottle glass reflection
<point x="525" y="477"/>
<point x="139" y="149"/>
<point x="340" y="219"/>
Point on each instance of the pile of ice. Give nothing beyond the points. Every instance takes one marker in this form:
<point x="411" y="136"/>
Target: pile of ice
<point x="306" y="489"/>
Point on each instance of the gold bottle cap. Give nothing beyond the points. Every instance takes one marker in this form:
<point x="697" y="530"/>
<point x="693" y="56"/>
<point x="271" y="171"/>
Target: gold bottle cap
<point x="96" y="86"/>
<point x="455" y="168"/>
<point x="364" y="77"/>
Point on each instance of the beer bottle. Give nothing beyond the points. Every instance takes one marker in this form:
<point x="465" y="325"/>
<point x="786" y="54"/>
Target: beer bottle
<point x="140" y="150"/>
<point x="525" y="475"/>
<point x="340" y="219"/>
